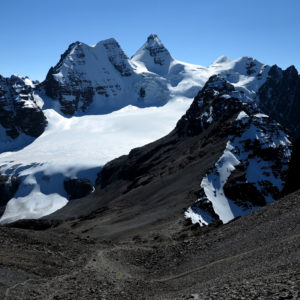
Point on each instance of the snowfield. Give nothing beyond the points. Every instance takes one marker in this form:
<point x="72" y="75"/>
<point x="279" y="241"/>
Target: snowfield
<point x="78" y="147"/>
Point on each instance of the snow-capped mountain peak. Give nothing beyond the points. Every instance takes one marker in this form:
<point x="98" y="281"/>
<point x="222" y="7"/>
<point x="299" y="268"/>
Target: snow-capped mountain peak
<point x="115" y="54"/>
<point x="109" y="41"/>
<point x="92" y="62"/>
<point x="221" y="59"/>
<point x="87" y="72"/>
<point x="100" y="79"/>
<point x="153" y="41"/>
<point x="153" y="56"/>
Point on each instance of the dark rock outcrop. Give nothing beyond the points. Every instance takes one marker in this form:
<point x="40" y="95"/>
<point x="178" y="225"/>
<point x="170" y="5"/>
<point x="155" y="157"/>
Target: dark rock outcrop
<point x="78" y="188"/>
<point x="19" y="112"/>
<point x="204" y="207"/>
<point x="8" y="187"/>
<point x="209" y="108"/>
<point x="293" y="179"/>
<point x="279" y="97"/>
<point x="242" y="192"/>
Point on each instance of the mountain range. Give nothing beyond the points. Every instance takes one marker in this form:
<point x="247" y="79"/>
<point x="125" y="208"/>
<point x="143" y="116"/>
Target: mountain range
<point x="97" y="104"/>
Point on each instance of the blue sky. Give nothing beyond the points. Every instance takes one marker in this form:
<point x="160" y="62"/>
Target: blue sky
<point x="34" y="33"/>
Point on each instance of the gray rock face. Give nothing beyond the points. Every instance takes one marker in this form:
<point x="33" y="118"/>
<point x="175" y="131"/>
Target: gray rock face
<point x="117" y="57"/>
<point x="19" y="112"/>
<point x="279" y="97"/>
<point x="157" y="50"/>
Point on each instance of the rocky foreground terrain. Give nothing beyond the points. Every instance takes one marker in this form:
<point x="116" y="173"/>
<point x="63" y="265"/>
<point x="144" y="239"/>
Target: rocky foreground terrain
<point x="253" y="257"/>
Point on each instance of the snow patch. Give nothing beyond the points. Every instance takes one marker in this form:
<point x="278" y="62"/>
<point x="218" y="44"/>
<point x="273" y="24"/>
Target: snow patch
<point x="214" y="182"/>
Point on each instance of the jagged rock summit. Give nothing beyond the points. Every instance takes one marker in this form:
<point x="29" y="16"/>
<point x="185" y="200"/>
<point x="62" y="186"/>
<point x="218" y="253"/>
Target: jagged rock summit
<point x="153" y="56"/>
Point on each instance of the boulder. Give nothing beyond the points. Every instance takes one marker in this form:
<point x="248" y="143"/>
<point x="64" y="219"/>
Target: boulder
<point x="78" y="188"/>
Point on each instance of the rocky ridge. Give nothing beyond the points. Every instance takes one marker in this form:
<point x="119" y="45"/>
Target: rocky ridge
<point x="252" y="170"/>
<point x="19" y="112"/>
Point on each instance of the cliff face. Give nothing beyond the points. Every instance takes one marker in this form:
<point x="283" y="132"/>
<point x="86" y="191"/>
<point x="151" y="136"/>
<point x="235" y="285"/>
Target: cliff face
<point x="19" y="113"/>
<point x="279" y="97"/>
